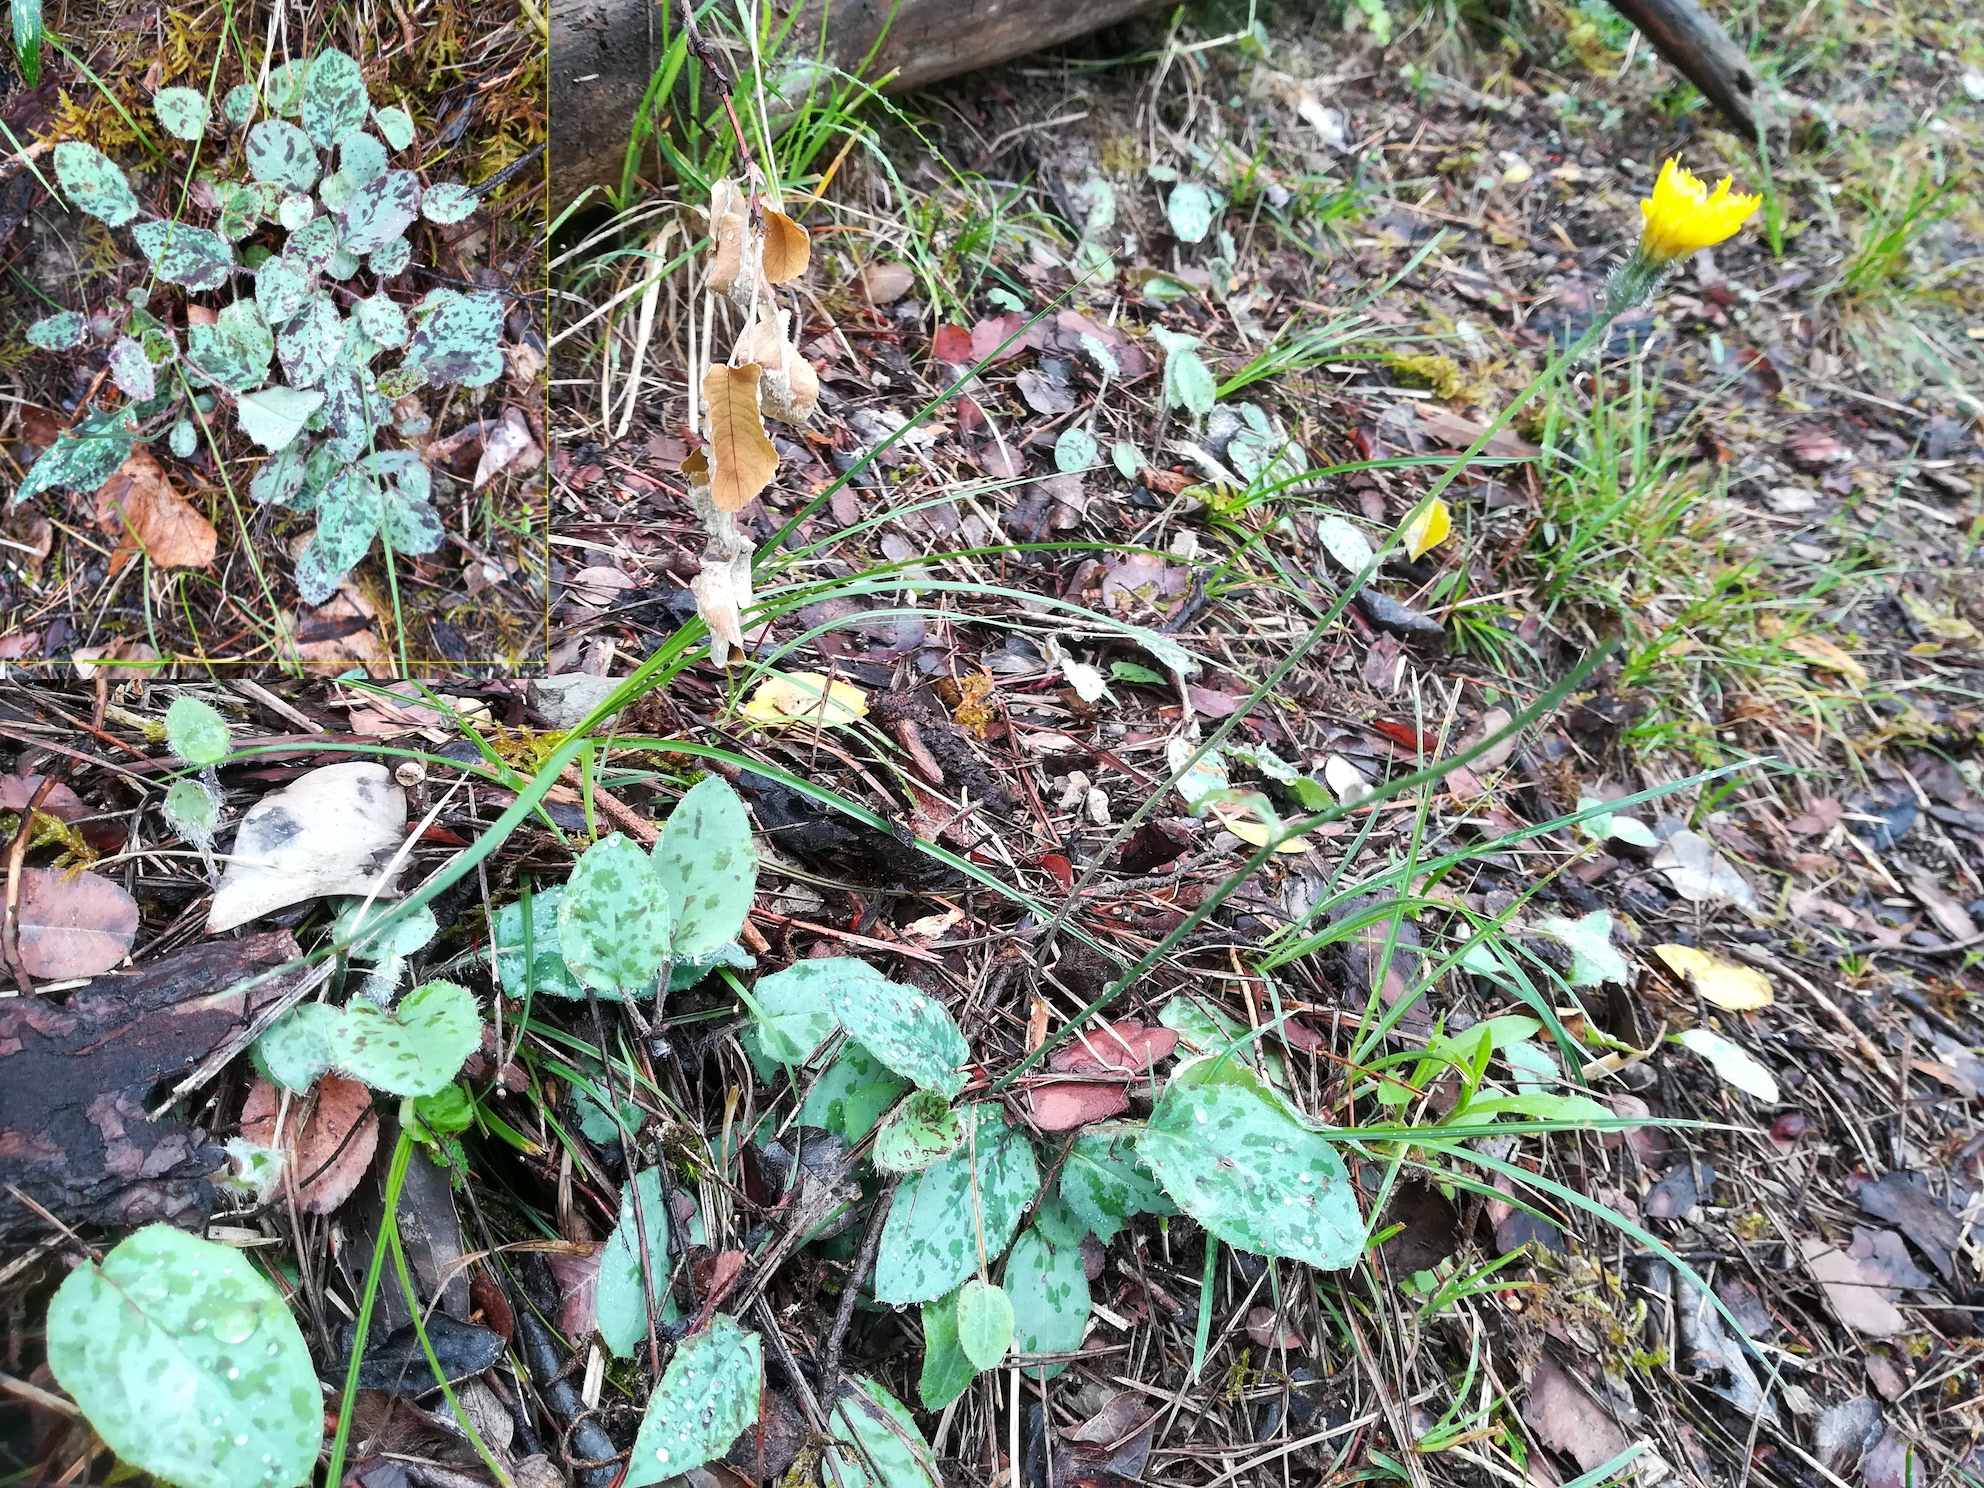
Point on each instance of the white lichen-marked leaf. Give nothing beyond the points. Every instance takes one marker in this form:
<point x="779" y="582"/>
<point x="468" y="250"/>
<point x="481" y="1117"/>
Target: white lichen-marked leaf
<point x="1594" y="959"/>
<point x="448" y="203"/>
<point x="183" y="254"/>
<point x="417" y="1049"/>
<point x="1232" y="1153"/>
<point x="188" y="1363"/>
<point x="708" y="863"/>
<point x="380" y="210"/>
<point x="334" y="100"/>
<point x="888" y="1441"/>
<point x="930" y="1239"/>
<point x="63" y="331"/>
<point x="281" y="154"/>
<point x="708" y="1395"/>
<point x="333" y="830"/>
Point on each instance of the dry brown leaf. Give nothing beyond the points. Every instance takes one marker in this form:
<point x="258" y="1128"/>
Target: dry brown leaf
<point x="742" y="460"/>
<point x="328" y="1156"/>
<point x="94" y="661"/>
<point x="788" y="247"/>
<point x="72" y="924"/>
<point x="888" y="281"/>
<point x="729" y="228"/>
<point x="337" y="633"/>
<point x="1828" y="656"/>
<point x="139" y="507"/>
<point x="790" y="389"/>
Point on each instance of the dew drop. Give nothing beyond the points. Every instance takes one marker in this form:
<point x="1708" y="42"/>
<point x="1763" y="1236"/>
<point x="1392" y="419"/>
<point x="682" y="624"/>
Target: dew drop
<point x="241" y="1440"/>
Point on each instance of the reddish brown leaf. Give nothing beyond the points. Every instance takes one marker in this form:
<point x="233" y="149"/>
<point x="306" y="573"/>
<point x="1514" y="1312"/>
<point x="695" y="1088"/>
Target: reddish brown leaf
<point x="1269" y="1332"/>
<point x="952" y="345"/>
<point x="73" y="924"/>
<point x="327" y="1138"/>
<point x="140" y="507"/>
<point x="17" y="793"/>
<point x="1062" y="870"/>
<point x="1063" y="1105"/>
<point x="1127" y="1045"/>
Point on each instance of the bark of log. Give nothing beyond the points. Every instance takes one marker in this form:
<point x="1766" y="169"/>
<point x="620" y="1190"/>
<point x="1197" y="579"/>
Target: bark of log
<point x="1696" y="46"/>
<point x="76" y="1079"/>
<point x="603" y="52"/>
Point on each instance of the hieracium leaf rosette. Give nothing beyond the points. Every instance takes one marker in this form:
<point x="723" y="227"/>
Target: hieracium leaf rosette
<point x="1681" y="217"/>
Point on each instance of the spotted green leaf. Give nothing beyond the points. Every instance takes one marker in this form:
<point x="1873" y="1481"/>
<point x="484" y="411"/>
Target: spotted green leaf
<point x="374" y="946"/>
<point x="1075" y="451"/>
<point x="347" y="521"/>
<point x="917" y="1133"/>
<point x="985" y="1317"/>
<point x="94" y="183"/>
<point x="904" y="1027"/>
<point x="396" y="124"/>
<point x="621" y="1300"/>
<point x="188" y="1364"/>
<point x="709" y="865"/>
<point x="361" y="157"/>
<point x="1048" y="1288"/>
<point x="930" y="1239"/>
<point x="946" y="1370"/>
<point x="381" y="319"/>
<point x="891" y="1452"/>
<point x="238" y="107"/>
<point x="275" y="415"/>
<point x="59" y="332"/>
<point x="280" y="153"/>
<point x="191" y="810"/>
<point x="195" y="732"/>
<point x="418" y="1048"/>
<point x="285" y="94"/>
<point x="708" y="1396"/>
<point x="389" y="259"/>
<point x="614" y="920"/>
<point x="234" y="351"/>
<point x="1190" y="209"/>
<point x="1235" y="1156"/>
<point x="411" y="526"/>
<point x="283" y="286"/>
<point x="380" y="210"/>
<point x="448" y="203"/>
<point x="297" y="1047"/>
<point x="1105" y="1183"/>
<point x="310" y="342"/>
<point x="548" y="972"/>
<point x="1187" y="383"/>
<point x="131" y="369"/>
<point x="183" y="254"/>
<point x="851" y="1096"/>
<point x="81" y="459"/>
<point x="334" y="98"/>
<point x="312" y="246"/>
<point x="182" y="112"/>
<point x="184" y="438"/>
<point x="280" y="480"/>
<point x="458" y="338"/>
<point x="793" y="1015"/>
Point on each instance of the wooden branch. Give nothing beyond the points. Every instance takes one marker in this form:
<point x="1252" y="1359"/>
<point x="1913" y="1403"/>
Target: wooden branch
<point x="1695" y="45"/>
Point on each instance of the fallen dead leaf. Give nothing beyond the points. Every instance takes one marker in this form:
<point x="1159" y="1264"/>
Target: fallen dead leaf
<point x="1064" y="1105"/>
<point x="1126" y="1046"/>
<point x="887" y="282"/>
<point x="1827" y="655"/>
<point x="1428" y="530"/>
<point x="1739" y="989"/>
<point x="327" y="1157"/>
<point x="1269" y="1332"/>
<point x="72" y="924"/>
<point x="128" y="660"/>
<point x="141" y="509"/>
<point x="1951" y="916"/>
<point x="509" y="447"/>
<point x="1568" y="1418"/>
<point x="742" y="460"/>
<point x="806" y="697"/>
<point x="1852" y="1288"/>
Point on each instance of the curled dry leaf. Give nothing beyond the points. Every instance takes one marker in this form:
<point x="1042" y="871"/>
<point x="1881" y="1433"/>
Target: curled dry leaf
<point x="742" y="460"/>
<point x="729" y="231"/>
<point x="72" y="924"/>
<point x="327" y="1138"/>
<point x="723" y="585"/>
<point x="140" y="508"/>
<point x="509" y="446"/>
<point x="788" y="247"/>
<point x="1128" y="1046"/>
<point x="789" y="390"/>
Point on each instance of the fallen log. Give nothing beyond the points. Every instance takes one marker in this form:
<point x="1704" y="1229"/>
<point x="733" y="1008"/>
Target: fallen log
<point x="603" y="53"/>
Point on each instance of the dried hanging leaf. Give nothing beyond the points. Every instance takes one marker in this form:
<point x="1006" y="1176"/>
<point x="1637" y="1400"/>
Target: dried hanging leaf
<point x="140" y="508"/>
<point x="788" y="247"/>
<point x="742" y="459"/>
<point x="790" y="389"/>
<point x="1724" y="983"/>
<point x="729" y="229"/>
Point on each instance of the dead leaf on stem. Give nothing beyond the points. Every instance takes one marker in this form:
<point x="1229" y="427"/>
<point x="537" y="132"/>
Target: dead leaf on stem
<point x="790" y="389"/>
<point x="788" y="247"/>
<point x="729" y="230"/>
<point x="742" y="460"/>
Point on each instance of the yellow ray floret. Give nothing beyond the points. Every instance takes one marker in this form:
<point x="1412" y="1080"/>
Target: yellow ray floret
<point x="1683" y="215"/>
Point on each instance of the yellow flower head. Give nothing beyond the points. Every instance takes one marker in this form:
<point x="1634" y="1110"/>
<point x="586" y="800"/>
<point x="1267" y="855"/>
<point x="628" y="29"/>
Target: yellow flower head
<point x="1683" y="215"/>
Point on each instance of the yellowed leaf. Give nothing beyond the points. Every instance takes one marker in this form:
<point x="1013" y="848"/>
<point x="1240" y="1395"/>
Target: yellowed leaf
<point x="788" y="247"/>
<point x="806" y="697"/>
<point x="742" y="460"/>
<point x="1429" y="529"/>
<point x="141" y="509"/>
<point x="1826" y="654"/>
<point x="1945" y="625"/>
<point x="1253" y="832"/>
<point x="729" y="228"/>
<point x="1737" y="989"/>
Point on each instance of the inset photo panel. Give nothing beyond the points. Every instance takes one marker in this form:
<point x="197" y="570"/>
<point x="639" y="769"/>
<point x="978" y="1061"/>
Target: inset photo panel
<point x="272" y="351"/>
